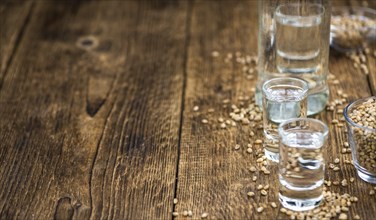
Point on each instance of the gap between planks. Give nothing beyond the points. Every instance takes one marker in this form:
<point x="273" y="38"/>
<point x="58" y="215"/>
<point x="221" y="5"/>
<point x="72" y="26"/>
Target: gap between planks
<point x="185" y="74"/>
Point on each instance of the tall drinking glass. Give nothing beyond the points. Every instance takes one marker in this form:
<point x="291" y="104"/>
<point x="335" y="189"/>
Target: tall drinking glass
<point x="298" y="38"/>
<point x="294" y="42"/>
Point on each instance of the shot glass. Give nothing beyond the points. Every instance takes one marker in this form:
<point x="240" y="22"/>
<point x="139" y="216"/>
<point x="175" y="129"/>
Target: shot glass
<point x="362" y="136"/>
<point x="301" y="165"/>
<point x="283" y="98"/>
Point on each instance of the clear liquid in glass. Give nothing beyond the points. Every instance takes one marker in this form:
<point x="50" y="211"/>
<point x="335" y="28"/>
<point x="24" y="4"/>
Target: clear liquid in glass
<point x="306" y="24"/>
<point x="281" y="103"/>
<point x="298" y="44"/>
<point x="301" y="172"/>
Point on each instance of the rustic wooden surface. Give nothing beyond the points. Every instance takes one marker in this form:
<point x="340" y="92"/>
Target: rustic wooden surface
<point x="13" y="21"/>
<point x="97" y="119"/>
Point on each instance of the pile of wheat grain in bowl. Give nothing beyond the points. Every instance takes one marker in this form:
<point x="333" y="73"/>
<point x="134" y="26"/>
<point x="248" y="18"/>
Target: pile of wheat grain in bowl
<point x="352" y="27"/>
<point x="362" y="132"/>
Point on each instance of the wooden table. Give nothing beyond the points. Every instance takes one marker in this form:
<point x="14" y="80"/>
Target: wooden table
<point x="97" y="119"/>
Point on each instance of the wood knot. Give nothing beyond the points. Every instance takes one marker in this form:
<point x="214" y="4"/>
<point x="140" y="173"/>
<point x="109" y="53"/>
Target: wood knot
<point x="64" y="209"/>
<point x="87" y="42"/>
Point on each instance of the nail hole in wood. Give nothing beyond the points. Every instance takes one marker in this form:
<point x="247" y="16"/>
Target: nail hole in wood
<point x="87" y="42"/>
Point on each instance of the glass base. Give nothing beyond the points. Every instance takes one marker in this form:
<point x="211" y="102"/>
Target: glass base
<point x="366" y="177"/>
<point x="317" y="102"/>
<point x="300" y="204"/>
<point x="273" y="156"/>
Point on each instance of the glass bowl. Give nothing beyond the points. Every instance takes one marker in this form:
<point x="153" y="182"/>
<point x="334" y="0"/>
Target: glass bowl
<point x="351" y="27"/>
<point x="362" y="139"/>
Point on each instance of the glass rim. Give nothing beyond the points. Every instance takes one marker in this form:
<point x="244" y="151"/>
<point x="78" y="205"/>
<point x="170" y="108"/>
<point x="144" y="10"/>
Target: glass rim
<point x="325" y="131"/>
<point x="320" y="13"/>
<point x="347" y="117"/>
<point x="305" y="84"/>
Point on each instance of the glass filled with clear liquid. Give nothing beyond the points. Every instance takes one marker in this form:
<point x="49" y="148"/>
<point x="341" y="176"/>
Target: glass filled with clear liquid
<point x="293" y="41"/>
<point x="298" y="37"/>
<point x="283" y="98"/>
<point x="301" y="164"/>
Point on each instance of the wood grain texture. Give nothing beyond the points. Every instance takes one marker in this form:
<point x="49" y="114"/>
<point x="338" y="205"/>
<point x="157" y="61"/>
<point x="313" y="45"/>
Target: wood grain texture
<point x="135" y="166"/>
<point x="355" y="84"/>
<point x="97" y="119"/>
<point x="14" y="17"/>
<point x="213" y="176"/>
<point x="90" y="111"/>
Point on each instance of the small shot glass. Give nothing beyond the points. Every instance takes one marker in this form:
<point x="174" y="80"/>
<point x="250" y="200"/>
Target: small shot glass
<point x="301" y="164"/>
<point x="362" y="136"/>
<point x="283" y="99"/>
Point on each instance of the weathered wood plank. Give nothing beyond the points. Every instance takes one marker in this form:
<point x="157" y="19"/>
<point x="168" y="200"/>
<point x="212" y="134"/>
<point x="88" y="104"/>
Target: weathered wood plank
<point x="14" y="17"/>
<point x="214" y="177"/>
<point x="357" y="85"/>
<point x="135" y="167"/>
<point x="371" y="58"/>
<point x="354" y="83"/>
<point x="90" y="111"/>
